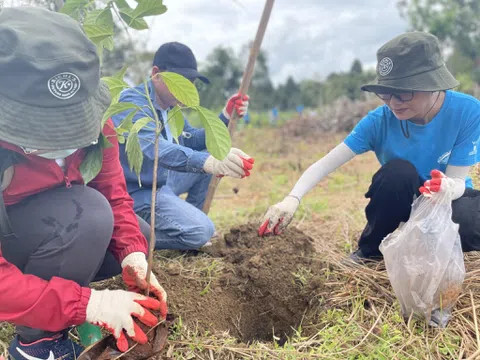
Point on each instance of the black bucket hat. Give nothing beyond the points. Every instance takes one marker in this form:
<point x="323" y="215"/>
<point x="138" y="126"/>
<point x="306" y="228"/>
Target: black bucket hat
<point x="411" y="62"/>
<point x="51" y="95"/>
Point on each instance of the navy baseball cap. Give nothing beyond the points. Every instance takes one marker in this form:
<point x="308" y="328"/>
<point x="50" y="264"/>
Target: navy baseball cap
<point x="178" y="58"/>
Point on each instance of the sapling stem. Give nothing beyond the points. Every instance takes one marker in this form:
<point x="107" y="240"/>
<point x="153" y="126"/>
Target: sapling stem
<point x="158" y="130"/>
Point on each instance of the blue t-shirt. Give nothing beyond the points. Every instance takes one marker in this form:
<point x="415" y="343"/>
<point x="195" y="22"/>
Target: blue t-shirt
<point x="451" y="138"/>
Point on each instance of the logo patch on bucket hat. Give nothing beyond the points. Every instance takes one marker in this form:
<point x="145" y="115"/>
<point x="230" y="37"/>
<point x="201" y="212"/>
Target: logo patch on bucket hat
<point x="385" y="66"/>
<point x="64" y="85"/>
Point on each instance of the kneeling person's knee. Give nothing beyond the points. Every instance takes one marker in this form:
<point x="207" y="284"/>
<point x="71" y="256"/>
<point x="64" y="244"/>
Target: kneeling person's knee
<point x="399" y="169"/>
<point x="199" y="232"/>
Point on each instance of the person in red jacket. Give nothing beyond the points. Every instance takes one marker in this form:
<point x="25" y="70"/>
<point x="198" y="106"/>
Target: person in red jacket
<point x="58" y="233"/>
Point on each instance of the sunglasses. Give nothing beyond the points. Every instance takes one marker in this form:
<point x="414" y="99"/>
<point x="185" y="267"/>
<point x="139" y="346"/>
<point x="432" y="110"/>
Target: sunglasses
<point x="402" y="97"/>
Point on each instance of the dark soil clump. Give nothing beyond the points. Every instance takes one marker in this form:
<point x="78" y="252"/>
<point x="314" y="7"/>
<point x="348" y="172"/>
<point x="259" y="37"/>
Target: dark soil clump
<point x="265" y="289"/>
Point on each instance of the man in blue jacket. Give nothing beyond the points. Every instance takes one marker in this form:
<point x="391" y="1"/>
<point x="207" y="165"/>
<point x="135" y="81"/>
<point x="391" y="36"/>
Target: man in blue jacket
<point x="185" y="167"/>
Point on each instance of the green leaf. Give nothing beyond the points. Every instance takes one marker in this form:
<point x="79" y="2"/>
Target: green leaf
<point x="121" y="139"/>
<point x="97" y="33"/>
<point x="217" y="136"/>
<point x="149" y="8"/>
<point x="92" y="164"/>
<point x="108" y="43"/>
<point x="121" y="74"/>
<point x="115" y="85"/>
<point x="140" y="124"/>
<point x="122" y="4"/>
<point x="134" y="23"/>
<point x="117" y="109"/>
<point x="127" y="123"/>
<point x="99" y="17"/>
<point x="134" y="153"/>
<point x="120" y="131"/>
<point x="104" y="142"/>
<point x="134" y="17"/>
<point x="176" y="122"/>
<point x="181" y="88"/>
<point x="72" y="7"/>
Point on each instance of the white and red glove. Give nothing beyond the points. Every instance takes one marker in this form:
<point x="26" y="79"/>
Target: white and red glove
<point x="279" y="216"/>
<point x="238" y="102"/>
<point x="114" y="311"/>
<point x="134" y="275"/>
<point x="439" y="183"/>
<point x="236" y="164"/>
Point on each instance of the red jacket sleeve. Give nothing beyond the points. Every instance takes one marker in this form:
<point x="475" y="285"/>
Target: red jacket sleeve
<point x="127" y="237"/>
<point x="30" y="301"/>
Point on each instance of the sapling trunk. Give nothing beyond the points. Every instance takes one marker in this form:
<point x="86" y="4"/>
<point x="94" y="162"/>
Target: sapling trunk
<point x="154" y="190"/>
<point x="152" y="218"/>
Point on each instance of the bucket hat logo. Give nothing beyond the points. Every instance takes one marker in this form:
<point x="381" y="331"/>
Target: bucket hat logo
<point x="385" y="66"/>
<point x="64" y="85"/>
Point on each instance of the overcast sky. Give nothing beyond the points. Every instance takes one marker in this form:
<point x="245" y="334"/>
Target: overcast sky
<point x="304" y="38"/>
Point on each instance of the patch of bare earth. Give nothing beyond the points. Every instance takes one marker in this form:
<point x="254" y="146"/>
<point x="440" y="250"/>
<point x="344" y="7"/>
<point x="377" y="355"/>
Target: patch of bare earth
<point x="266" y="287"/>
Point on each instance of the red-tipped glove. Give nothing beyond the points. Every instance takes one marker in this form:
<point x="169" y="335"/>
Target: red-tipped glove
<point x="437" y="184"/>
<point x="279" y="216"/>
<point x="114" y="311"/>
<point x="238" y="102"/>
<point x="134" y="275"/>
<point x="237" y="164"/>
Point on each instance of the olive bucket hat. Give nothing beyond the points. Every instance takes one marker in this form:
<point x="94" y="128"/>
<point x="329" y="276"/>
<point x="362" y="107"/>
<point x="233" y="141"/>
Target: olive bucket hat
<point x="51" y="96"/>
<point x="411" y="62"/>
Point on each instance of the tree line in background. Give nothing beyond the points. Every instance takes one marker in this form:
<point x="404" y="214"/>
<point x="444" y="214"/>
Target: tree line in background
<point x="457" y="25"/>
<point x="225" y="69"/>
<point x="455" y="22"/>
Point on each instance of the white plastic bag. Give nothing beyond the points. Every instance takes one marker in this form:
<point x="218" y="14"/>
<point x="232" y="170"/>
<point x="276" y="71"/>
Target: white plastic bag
<point x="424" y="260"/>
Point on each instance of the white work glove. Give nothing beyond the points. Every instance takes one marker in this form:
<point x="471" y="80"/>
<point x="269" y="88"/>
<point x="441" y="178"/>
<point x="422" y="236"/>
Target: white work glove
<point x="134" y="275"/>
<point x="279" y="216"/>
<point x="439" y="183"/>
<point x="114" y="311"/>
<point x="236" y="164"/>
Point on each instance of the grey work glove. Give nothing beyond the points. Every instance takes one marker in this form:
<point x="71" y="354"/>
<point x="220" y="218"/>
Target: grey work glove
<point x="236" y="164"/>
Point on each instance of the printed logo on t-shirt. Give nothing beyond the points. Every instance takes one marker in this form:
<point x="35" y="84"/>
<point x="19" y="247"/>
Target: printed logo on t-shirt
<point x="444" y="158"/>
<point x="474" y="150"/>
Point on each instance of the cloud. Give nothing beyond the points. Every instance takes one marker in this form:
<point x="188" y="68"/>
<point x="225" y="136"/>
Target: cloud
<point x="304" y="38"/>
<point x="322" y="39"/>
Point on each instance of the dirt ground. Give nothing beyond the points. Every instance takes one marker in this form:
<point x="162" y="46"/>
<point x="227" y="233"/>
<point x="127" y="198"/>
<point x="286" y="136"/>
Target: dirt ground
<point x="264" y="290"/>
<point x="244" y="300"/>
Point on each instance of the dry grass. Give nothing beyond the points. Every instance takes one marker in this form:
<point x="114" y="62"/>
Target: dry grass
<point x="360" y="317"/>
<point x="356" y="315"/>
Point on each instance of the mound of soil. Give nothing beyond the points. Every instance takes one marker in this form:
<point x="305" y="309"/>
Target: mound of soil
<point x="264" y="289"/>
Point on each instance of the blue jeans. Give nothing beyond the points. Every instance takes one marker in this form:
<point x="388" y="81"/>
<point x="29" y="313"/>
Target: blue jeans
<point x="179" y="224"/>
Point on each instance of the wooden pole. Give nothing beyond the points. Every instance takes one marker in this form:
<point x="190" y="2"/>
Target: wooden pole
<point x="247" y="77"/>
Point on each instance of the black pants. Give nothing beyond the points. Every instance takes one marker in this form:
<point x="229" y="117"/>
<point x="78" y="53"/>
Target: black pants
<point x="391" y="195"/>
<point x="64" y="233"/>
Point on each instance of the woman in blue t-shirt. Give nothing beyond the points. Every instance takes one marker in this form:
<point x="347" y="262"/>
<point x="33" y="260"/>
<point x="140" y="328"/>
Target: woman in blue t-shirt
<point x="425" y="137"/>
